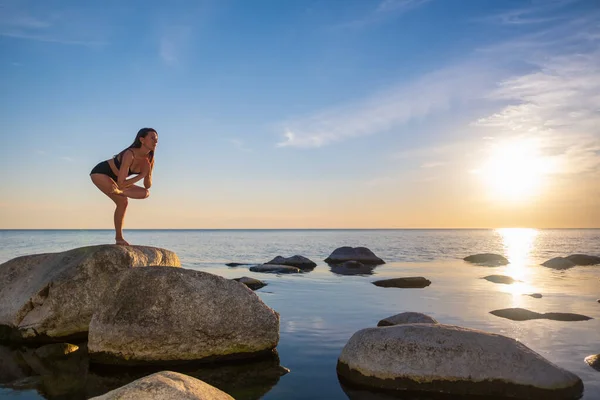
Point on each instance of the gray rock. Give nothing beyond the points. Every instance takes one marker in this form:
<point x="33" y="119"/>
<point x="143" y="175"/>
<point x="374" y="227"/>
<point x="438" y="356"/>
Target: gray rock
<point x="294" y="261"/>
<point x="487" y="259"/>
<point x="407" y="318"/>
<point x="453" y="360"/>
<point x="507" y="280"/>
<point x="593" y="361"/>
<point x="252" y="283"/>
<point x="522" y="314"/>
<point x="346" y="253"/>
<point x="584" y="259"/>
<point x="559" y="263"/>
<point x="274" y="268"/>
<point x="166" y="385"/>
<point x="413" y="282"/>
<point x="50" y="297"/>
<point x="167" y="316"/>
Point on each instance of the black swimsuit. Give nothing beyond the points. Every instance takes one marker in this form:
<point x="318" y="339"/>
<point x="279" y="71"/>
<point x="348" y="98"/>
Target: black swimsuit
<point x="104" y="168"/>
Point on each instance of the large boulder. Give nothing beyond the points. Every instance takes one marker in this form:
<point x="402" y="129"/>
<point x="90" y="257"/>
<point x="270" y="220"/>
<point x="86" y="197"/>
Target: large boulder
<point x="168" y="316"/>
<point x="347" y="253"/>
<point x="583" y="259"/>
<point x="51" y="297"/>
<point x="294" y="261"/>
<point x="559" y="263"/>
<point x="488" y="259"/>
<point x="166" y="385"/>
<point x="454" y="360"/>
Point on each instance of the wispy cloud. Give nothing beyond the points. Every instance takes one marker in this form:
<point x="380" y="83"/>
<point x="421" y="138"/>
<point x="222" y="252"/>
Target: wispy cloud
<point x="36" y="21"/>
<point x="172" y="44"/>
<point x="385" y="10"/>
<point x="383" y="111"/>
<point x="239" y="144"/>
<point x="67" y="159"/>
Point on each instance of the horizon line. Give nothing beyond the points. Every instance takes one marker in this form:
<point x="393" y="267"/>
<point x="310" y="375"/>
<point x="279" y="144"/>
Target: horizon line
<point x="284" y="229"/>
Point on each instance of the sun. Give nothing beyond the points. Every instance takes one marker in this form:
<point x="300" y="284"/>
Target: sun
<point x="515" y="170"/>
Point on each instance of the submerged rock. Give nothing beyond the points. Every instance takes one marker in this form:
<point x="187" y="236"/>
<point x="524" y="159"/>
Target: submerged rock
<point x="234" y="264"/>
<point x="167" y="316"/>
<point x="488" y="259"/>
<point x="352" y="268"/>
<point x="522" y="314"/>
<point x="593" y="361"/>
<point x="274" y="268"/>
<point x="413" y="282"/>
<point x="252" y="283"/>
<point x="407" y="318"/>
<point x="166" y="385"/>
<point x="347" y="253"/>
<point x="51" y="297"/>
<point x="559" y="263"/>
<point x="454" y="360"/>
<point x="294" y="261"/>
<point x="507" y="280"/>
<point x="535" y="295"/>
<point x="583" y="259"/>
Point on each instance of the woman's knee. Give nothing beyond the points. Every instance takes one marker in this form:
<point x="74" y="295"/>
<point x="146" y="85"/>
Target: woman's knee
<point x="121" y="201"/>
<point x="146" y="193"/>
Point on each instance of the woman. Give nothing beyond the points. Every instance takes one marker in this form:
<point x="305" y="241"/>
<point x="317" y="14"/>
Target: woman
<point x="112" y="176"/>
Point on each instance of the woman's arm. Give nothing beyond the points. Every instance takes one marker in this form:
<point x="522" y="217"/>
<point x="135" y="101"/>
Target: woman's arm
<point x="122" y="180"/>
<point x="148" y="177"/>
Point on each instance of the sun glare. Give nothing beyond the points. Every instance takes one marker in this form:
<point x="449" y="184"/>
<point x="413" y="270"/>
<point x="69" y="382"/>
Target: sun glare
<point x="515" y="170"/>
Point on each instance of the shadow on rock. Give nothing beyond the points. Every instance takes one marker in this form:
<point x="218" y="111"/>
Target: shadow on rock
<point x="248" y="380"/>
<point x="352" y="268"/>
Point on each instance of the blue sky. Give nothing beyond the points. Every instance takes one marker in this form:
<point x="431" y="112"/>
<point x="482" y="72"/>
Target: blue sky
<point x="300" y="114"/>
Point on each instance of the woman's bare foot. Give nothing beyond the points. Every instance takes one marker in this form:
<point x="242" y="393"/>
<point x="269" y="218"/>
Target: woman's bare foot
<point x="122" y="242"/>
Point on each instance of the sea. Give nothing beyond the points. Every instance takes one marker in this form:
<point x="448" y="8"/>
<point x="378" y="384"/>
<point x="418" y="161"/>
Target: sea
<point x="321" y="309"/>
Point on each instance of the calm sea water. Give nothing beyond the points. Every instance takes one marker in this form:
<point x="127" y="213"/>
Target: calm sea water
<point x="321" y="309"/>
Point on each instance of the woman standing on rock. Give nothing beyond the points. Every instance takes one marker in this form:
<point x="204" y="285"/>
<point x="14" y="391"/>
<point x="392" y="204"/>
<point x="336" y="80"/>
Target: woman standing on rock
<point x="112" y="176"/>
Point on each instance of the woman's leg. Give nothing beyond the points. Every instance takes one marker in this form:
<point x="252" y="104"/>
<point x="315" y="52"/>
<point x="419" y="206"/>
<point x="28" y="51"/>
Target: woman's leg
<point x="107" y="185"/>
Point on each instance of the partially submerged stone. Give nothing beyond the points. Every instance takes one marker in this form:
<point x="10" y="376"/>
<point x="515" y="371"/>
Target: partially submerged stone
<point x="275" y="269"/>
<point x="294" y="261"/>
<point x="352" y="268"/>
<point x="535" y="295"/>
<point x="583" y="259"/>
<point x="252" y="283"/>
<point x="167" y="316"/>
<point x="407" y="318"/>
<point x="522" y="314"/>
<point x="51" y="297"/>
<point x="507" y="280"/>
<point x="454" y="360"/>
<point x="593" y="361"/>
<point x="347" y="253"/>
<point x="488" y="259"/>
<point x="412" y="282"/>
<point x="166" y="385"/>
<point x="559" y="263"/>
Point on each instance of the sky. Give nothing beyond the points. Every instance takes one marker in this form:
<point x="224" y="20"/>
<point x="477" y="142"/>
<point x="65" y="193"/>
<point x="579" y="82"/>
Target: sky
<point x="304" y="114"/>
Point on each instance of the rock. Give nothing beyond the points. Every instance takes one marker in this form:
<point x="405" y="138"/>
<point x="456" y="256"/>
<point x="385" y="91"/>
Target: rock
<point x="593" y="361"/>
<point x="410" y="282"/>
<point x="535" y="295"/>
<point x="559" y="263"/>
<point x="500" y="279"/>
<point x="522" y="314"/>
<point x="346" y="253"/>
<point x="252" y="283"/>
<point x="351" y="268"/>
<point x="452" y="360"/>
<point x="167" y="315"/>
<point x="583" y="259"/>
<point x="294" y="261"/>
<point x="50" y="297"/>
<point x="407" y="318"/>
<point x="487" y="259"/>
<point x="274" y="268"/>
<point x="233" y="264"/>
<point x="166" y="385"/>
<point x="55" y="350"/>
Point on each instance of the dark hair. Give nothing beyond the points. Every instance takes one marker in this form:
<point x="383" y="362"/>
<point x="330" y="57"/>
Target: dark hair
<point x="142" y="133"/>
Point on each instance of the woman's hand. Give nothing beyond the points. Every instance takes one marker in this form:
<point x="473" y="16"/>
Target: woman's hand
<point x="145" y="168"/>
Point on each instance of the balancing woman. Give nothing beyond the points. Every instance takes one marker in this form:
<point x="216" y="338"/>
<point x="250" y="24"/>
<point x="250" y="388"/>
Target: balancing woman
<point x="112" y="176"/>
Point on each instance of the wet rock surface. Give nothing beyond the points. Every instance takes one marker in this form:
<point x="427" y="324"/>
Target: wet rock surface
<point x="347" y="253"/>
<point x="507" y="280"/>
<point x="294" y="261"/>
<point x="522" y="314"/>
<point x="488" y="259"/>
<point x="413" y="282"/>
